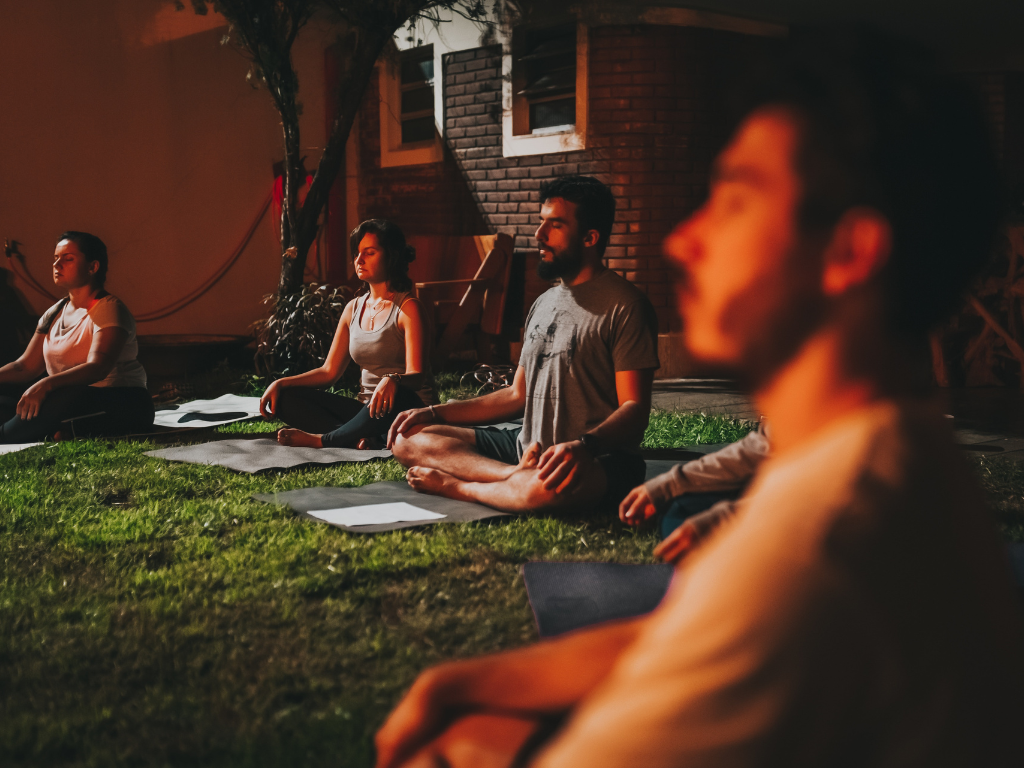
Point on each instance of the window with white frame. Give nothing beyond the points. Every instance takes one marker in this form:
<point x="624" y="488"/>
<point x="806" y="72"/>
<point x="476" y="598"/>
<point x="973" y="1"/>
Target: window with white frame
<point x="544" y="81"/>
<point x="407" y="126"/>
<point x="545" y="90"/>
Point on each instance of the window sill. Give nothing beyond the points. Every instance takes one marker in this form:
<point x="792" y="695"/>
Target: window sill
<point x="542" y="144"/>
<point x="420" y="153"/>
<point x="519" y="145"/>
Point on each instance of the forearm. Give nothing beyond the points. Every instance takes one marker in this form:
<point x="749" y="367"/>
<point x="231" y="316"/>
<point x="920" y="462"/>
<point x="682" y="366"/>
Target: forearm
<point x="722" y="470"/>
<point x="625" y="426"/>
<point x="81" y="375"/>
<point x="550" y="676"/>
<point x="318" y="377"/>
<point x="413" y="380"/>
<point x="496" y="406"/>
<point x="17" y="372"/>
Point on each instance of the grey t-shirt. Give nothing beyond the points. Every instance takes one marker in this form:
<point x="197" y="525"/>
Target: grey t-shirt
<point x="576" y="338"/>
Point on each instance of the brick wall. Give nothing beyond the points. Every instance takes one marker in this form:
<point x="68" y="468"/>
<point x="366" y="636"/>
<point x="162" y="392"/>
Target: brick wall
<point x="655" y="125"/>
<point x="428" y="199"/>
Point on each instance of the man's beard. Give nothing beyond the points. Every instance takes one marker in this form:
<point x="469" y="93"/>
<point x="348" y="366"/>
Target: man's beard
<point x="564" y="264"/>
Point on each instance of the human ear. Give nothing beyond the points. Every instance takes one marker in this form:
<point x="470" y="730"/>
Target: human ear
<point x="591" y="238"/>
<point x="859" y="249"/>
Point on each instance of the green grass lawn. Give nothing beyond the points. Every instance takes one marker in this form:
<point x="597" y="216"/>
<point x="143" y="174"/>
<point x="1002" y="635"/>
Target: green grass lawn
<point x="152" y="614"/>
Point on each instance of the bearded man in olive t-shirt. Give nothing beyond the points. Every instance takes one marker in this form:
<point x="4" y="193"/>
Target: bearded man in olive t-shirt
<point x="583" y="385"/>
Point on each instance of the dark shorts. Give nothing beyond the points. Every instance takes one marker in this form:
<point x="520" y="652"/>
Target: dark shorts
<point x="624" y="470"/>
<point x="499" y="443"/>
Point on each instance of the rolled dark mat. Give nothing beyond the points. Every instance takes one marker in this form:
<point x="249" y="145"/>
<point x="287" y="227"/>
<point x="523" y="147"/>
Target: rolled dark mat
<point x="568" y="596"/>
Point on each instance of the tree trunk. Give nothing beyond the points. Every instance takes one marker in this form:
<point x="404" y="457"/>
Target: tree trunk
<point x="292" y="267"/>
<point x="302" y="225"/>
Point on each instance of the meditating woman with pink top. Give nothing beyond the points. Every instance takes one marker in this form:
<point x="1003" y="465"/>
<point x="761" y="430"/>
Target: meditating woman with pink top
<point x="86" y="351"/>
<point x="384" y="332"/>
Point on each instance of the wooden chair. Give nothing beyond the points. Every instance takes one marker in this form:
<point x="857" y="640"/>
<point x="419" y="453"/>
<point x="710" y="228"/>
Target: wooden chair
<point x="462" y="300"/>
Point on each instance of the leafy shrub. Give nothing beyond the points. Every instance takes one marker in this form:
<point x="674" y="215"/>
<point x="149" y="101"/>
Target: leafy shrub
<point x="297" y="335"/>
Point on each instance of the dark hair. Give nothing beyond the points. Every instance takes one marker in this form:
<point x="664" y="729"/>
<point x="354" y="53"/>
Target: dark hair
<point x="595" y="204"/>
<point x="397" y="253"/>
<point x="881" y="126"/>
<point x="93" y="249"/>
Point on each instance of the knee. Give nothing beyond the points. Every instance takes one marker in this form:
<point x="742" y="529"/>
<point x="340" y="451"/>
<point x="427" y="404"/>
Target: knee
<point x="287" y="399"/>
<point x="406" y="447"/>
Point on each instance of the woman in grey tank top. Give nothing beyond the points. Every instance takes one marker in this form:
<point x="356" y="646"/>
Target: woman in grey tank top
<point x="384" y="332"/>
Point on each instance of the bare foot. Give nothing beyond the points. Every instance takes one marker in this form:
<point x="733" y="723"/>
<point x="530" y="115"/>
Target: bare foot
<point x="433" y="481"/>
<point x="298" y="438"/>
<point x="531" y="456"/>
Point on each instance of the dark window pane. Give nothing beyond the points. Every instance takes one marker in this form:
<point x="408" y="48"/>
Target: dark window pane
<point x="418" y="100"/>
<point x="418" y="129"/>
<point x="559" y="46"/>
<point x="552" y="40"/>
<point x="551" y="83"/>
<point x="417" y="71"/>
<point x="549" y="114"/>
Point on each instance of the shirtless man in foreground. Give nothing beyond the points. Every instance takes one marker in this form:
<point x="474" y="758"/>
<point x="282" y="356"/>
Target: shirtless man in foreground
<point x="857" y="609"/>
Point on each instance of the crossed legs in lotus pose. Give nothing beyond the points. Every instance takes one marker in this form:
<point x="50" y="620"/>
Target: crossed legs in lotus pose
<point x="443" y="460"/>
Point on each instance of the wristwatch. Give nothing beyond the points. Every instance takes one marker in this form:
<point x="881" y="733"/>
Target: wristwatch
<point x="592" y="443"/>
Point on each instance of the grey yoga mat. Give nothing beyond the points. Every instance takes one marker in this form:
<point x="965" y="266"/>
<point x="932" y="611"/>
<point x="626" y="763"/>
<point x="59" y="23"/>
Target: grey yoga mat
<point x="261" y="454"/>
<point x="568" y="596"/>
<point x="305" y="499"/>
<point x="657" y="467"/>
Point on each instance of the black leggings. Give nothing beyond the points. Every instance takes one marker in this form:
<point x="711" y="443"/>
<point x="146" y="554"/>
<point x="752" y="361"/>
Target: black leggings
<point x="120" y="411"/>
<point x="341" y="421"/>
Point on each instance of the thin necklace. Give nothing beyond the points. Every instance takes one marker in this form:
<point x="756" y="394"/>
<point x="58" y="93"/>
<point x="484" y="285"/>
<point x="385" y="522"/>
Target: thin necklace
<point x="379" y="308"/>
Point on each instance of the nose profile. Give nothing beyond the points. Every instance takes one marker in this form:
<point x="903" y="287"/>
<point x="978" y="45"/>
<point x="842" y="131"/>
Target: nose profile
<point x="681" y="244"/>
<point x="540" y="234"/>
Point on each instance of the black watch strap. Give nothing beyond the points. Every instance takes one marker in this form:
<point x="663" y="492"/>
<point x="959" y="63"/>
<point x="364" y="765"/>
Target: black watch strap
<point x="592" y="443"/>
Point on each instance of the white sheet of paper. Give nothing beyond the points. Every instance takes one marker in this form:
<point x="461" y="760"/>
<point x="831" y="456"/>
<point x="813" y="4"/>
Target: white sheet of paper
<point x="375" y="514"/>
<point x="12" y="447"/>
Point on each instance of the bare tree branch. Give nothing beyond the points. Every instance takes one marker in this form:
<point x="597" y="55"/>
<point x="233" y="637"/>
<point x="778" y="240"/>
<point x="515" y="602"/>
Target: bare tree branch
<point x="265" y="31"/>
